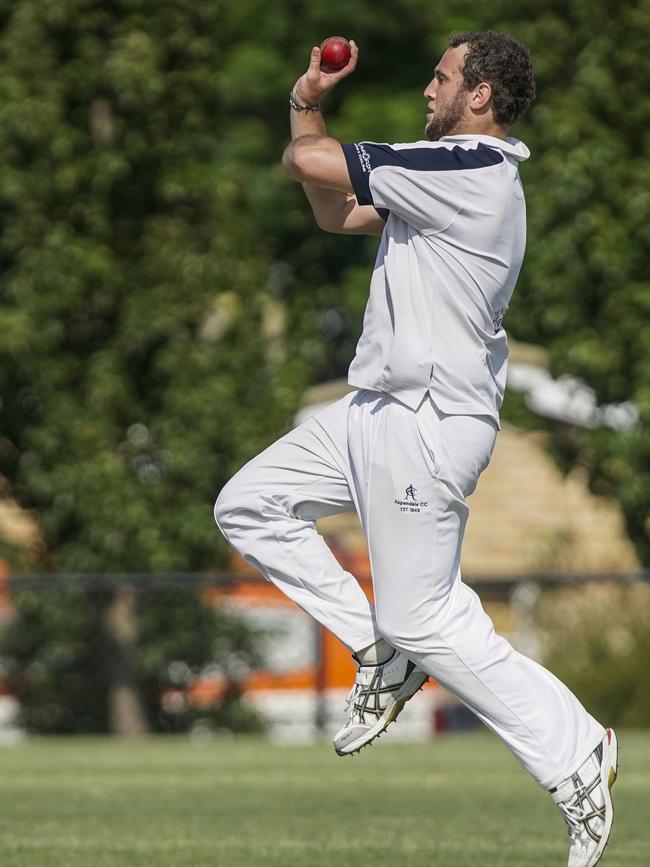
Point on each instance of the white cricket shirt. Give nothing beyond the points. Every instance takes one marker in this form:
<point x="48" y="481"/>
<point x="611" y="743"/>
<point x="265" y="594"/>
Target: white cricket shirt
<point x="446" y="268"/>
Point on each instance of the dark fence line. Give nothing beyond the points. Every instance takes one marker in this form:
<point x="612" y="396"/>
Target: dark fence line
<point x="107" y="580"/>
<point x="491" y="588"/>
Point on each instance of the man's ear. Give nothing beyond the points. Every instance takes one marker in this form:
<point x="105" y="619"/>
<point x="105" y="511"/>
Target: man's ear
<point x="481" y="96"/>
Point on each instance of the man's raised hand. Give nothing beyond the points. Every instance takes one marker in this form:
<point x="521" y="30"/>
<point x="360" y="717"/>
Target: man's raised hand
<point x="315" y="83"/>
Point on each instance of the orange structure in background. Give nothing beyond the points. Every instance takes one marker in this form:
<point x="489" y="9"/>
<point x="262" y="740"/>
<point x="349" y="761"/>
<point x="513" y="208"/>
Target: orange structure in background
<point x="331" y="667"/>
<point x="335" y="668"/>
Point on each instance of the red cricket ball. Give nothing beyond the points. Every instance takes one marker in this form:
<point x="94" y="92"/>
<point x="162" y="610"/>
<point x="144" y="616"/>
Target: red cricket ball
<point x="335" y="53"/>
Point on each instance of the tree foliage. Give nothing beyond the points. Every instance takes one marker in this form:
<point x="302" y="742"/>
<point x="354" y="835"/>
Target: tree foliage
<point x="166" y="295"/>
<point x="585" y="291"/>
<point x="597" y="641"/>
<point x="58" y="656"/>
<point x="137" y="311"/>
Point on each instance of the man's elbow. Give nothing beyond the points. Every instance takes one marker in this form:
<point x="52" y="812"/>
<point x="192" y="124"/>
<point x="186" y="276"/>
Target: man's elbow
<point x="296" y="163"/>
<point x="298" y="157"/>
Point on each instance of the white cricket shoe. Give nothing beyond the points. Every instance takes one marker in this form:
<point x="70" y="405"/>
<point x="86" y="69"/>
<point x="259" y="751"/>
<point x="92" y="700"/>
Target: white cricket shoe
<point x="378" y="695"/>
<point x="585" y="802"/>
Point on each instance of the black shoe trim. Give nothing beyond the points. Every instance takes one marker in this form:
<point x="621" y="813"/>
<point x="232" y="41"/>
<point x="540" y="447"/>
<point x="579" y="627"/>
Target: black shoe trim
<point x="375" y="664"/>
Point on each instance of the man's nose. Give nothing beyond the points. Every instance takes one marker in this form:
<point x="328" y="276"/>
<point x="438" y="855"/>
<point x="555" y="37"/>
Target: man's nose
<point x="430" y="90"/>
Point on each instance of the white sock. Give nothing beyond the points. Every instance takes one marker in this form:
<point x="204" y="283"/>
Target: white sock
<point x="379" y="652"/>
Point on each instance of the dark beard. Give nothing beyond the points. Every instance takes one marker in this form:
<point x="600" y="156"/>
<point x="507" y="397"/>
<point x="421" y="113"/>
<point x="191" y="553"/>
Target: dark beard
<point x="445" y="123"/>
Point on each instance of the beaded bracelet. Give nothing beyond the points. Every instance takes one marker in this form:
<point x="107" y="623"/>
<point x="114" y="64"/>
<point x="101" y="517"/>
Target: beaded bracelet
<point x="297" y="107"/>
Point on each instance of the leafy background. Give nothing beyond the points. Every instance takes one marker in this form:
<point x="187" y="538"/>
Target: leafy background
<point x="165" y="298"/>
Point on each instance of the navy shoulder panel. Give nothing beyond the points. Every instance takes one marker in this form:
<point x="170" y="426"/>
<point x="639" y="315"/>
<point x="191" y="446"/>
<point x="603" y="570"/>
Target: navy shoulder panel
<point x="363" y="157"/>
<point x="438" y="159"/>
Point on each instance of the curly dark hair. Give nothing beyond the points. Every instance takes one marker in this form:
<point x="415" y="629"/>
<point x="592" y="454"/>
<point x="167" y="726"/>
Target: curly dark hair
<point x="505" y="64"/>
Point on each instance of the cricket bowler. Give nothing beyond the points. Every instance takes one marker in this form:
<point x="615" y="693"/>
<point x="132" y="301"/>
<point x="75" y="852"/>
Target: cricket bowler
<point x="406" y="447"/>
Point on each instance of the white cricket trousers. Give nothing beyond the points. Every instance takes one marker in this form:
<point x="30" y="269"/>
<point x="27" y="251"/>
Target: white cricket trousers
<point x="407" y="474"/>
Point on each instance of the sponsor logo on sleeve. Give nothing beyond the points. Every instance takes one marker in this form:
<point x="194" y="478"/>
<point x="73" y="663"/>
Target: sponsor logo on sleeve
<point x="364" y="158"/>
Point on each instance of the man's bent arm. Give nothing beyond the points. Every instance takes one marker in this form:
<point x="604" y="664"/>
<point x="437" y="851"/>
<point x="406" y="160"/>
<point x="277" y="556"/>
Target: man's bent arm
<point x="317" y="161"/>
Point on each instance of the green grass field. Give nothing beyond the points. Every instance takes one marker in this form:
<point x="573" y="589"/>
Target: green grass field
<point x="456" y="802"/>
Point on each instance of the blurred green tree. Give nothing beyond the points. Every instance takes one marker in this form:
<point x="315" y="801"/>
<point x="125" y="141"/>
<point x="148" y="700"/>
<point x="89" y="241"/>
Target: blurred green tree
<point x="142" y="359"/>
<point x="78" y="666"/>
<point x="596" y="639"/>
<point x="584" y="291"/>
<point x="165" y="296"/>
<point x="137" y="304"/>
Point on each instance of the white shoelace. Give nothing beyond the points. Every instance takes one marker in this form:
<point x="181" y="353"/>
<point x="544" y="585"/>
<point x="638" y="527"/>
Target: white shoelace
<point x="577" y="817"/>
<point x="574" y="817"/>
<point x="352" y="708"/>
<point x="349" y="698"/>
